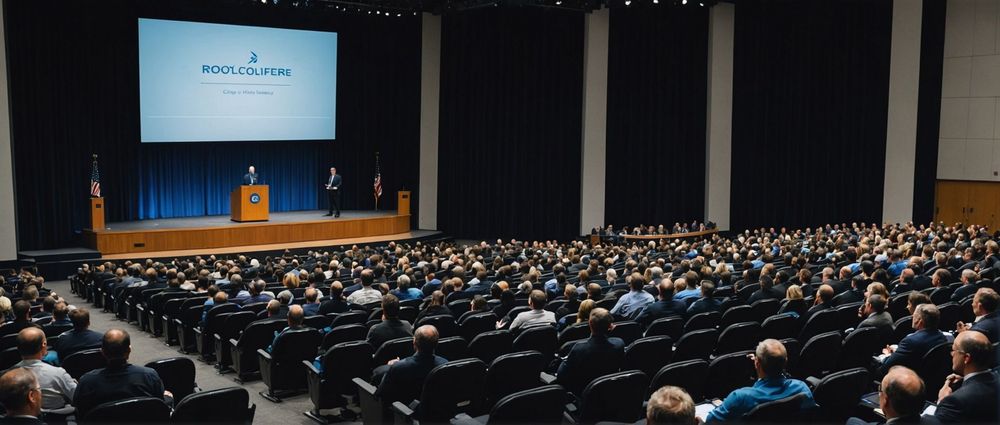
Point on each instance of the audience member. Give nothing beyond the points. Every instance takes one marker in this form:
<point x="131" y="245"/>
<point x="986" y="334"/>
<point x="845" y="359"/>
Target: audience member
<point x="80" y="337"/>
<point x="901" y="398"/>
<point x="631" y="304"/>
<point x="984" y="306"/>
<point x="119" y="380"/>
<point x="404" y="379"/>
<point x="769" y="361"/>
<point x="57" y="386"/>
<point x="875" y="316"/>
<point x="970" y="395"/>
<point x="391" y="327"/>
<point x="311" y="306"/>
<point x="22" y="319"/>
<point x="367" y="294"/>
<point x="536" y="316"/>
<point x="670" y="405"/>
<point x="21" y="396"/>
<point x="295" y="317"/>
<point x="596" y="356"/>
<point x="336" y="302"/>
<point x="912" y="349"/>
<point x="666" y="305"/>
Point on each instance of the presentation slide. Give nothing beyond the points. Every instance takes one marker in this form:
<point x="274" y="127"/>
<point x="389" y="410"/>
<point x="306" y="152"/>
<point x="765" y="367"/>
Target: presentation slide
<point x="203" y="82"/>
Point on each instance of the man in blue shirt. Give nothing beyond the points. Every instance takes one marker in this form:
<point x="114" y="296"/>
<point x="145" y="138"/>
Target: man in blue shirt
<point x="404" y="291"/>
<point x="769" y="362"/>
<point x="691" y="291"/>
<point x="630" y="304"/>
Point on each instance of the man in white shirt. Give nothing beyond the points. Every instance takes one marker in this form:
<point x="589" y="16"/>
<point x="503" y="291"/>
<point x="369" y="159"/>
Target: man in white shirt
<point x="57" y="386"/>
<point x="367" y="294"/>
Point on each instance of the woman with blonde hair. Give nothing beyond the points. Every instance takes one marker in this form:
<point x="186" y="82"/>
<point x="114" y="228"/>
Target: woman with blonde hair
<point x="583" y="314"/>
<point x="793" y="303"/>
<point x="876" y="288"/>
<point x="290" y="281"/>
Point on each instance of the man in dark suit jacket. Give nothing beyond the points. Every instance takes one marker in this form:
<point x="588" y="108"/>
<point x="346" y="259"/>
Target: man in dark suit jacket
<point x="912" y="349"/>
<point x="21" y="396"/>
<point x="970" y="395"/>
<point x="875" y="315"/>
<point x="766" y="291"/>
<point x="597" y="356"/>
<point x="824" y="295"/>
<point x="404" y="379"/>
<point x="665" y="306"/>
<point x="984" y="305"/>
<point x="853" y="295"/>
<point x="22" y="319"/>
<point x="901" y="399"/>
<point x="333" y="191"/>
<point x="119" y="380"/>
<point x="706" y="303"/>
<point x="80" y="338"/>
<point x="251" y="178"/>
<point x="391" y="327"/>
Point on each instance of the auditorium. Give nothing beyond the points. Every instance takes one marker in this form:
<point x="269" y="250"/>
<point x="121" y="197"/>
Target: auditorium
<point x="477" y="212"/>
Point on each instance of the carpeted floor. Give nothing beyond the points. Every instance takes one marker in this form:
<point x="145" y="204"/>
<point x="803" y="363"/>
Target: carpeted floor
<point x="146" y="348"/>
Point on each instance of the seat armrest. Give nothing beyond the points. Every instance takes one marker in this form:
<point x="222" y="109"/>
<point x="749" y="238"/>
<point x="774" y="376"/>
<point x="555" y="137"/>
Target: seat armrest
<point x="812" y="381"/>
<point x="198" y="331"/>
<point x="547" y="379"/>
<point x="401" y="409"/>
<point x="365" y="386"/>
<point x="217" y="337"/>
<point x="570" y="408"/>
<point x="310" y="367"/>
<point x="264" y="354"/>
<point x="233" y="342"/>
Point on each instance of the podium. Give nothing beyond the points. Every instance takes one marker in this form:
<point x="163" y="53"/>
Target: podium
<point x="97" y="214"/>
<point x="249" y="203"/>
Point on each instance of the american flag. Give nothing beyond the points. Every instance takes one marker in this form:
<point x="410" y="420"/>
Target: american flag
<point x="95" y="180"/>
<point x="378" y="180"/>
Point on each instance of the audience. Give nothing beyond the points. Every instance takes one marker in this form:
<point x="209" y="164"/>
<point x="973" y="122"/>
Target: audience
<point x="404" y="379"/>
<point x="666" y="306"/>
<point x="769" y="362"/>
<point x="367" y="294"/>
<point x="707" y="302"/>
<point x="22" y="319"/>
<point x="875" y="316"/>
<point x="901" y="398"/>
<point x="984" y="306"/>
<point x="536" y="316"/>
<point x="336" y="302"/>
<point x="631" y="303"/>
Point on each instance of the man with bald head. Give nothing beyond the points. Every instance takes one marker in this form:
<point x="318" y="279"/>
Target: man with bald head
<point x="970" y="394"/>
<point x="21" y="396"/>
<point x="295" y="317"/>
<point x="118" y="381"/>
<point x="769" y="361"/>
<point x="596" y="356"/>
<point x="404" y="379"/>
<point x="911" y="350"/>
<point x="901" y="398"/>
<point x="57" y="385"/>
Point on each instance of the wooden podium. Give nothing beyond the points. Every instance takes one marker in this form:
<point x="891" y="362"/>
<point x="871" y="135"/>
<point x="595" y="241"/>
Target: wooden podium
<point x="403" y="202"/>
<point x="249" y="203"/>
<point x="96" y="214"/>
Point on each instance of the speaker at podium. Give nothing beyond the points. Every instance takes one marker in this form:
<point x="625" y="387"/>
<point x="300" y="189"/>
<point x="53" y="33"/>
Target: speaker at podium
<point x="249" y="203"/>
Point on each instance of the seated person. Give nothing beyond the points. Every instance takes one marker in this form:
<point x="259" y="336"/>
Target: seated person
<point x="631" y="304"/>
<point x="690" y="291"/>
<point x="79" y="338"/>
<point x="60" y="316"/>
<point x="769" y="362"/>
<point x="57" y="386"/>
<point x="403" y="380"/>
<point x="48" y="305"/>
<point x="311" y="306"/>
<point x="391" y="327"/>
<point x="336" y="302"/>
<point x="22" y="319"/>
<point x="901" y="399"/>
<point x="666" y="306"/>
<point x="21" y="396"/>
<point x="596" y="356"/>
<point x="404" y="291"/>
<point x="119" y="380"/>
<point x="875" y="315"/>
<point x="670" y="405"/>
<point x="254" y="295"/>
<point x="537" y="316"/>
<point x="367" y="294"/>
<point x="706" y="303"/>
<point x="220" y="298"/>
<point x="582" y="315"/>
<point x="970" y="394"/>
<point x="984" y="305"/>
<point x="911" y="350"/>
<point x="435" y="308"/>
<point x="766" y="291"/>
<point x="295" y="317"/>
<point x="572" y="301"/>
<point x="824" y="301"/>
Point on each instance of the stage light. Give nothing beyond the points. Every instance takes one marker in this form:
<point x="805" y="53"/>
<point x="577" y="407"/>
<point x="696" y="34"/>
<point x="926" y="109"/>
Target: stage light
<point x="399" y="14"/>
<point x="558" y="2"/>
<point x="656" y="1"/>
<point x="628" y="2"/>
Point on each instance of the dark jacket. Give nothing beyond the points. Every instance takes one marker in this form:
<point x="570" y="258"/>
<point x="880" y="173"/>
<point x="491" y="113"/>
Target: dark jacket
<point x="405" y="379"/>
<point x="116" y="382"/>
<point x="334" y="306"/>
<point x="661" y="309"/>
<point x="989" y="325"/>
<point x="387" y="330"/>
<point x="704" y="305"/>
<point x="75" y="341"/>
<point x="974" y="402"/>
<point x="596" y="356"/>
<point x="912" y="349"/>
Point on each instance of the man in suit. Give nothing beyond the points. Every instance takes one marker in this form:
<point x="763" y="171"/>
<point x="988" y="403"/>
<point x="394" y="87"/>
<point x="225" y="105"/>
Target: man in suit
<point x="21" y="395"/>
<point x="824" y="297"/>
<point x="80" y="338"/>
<point x="911" y="350"/>
<point x="335" y="303"/>
<point x="251" y="178"/>
<point x="901" y="398"/>
<point x="404" y="379"/>
<point x="875" y="315"/>
<point x="597" y="356"/>
<point x="766" y="291"/>
<point x="706" y="303"/>
<point x="119" y="380"/>
<point x="391" y="326"/>
<point x="984" y="305"/>
<point x="769" y="362"/>
<point x="333" y="191"/>
<point x="664" y="307"/>
<point x="970" y="394"/>
<point x="969" y="279"/>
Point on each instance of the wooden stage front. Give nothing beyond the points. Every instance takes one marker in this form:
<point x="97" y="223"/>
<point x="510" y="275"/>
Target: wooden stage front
<point x="179" y="234"/>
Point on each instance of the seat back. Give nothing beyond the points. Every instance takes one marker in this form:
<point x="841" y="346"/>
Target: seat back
<point x="177" y="374"/>
<point x="296" y="345"/>
<point x="316" y="322"/>
<point x="820" y="322"/>
<point x="225" y="405"/>
<point x="763" y="309"/>
<point x="729" y="372"/>
<point x="353" y="317"/>
<point x="900" y="329"/>
<point x="859" y="347"/>
<point x="539" y="338"/>
<point x="487" y="346"/>
<point x="897" y="305"/>
<point x="818" y="355"/>
<point x="780" y="327"/>
<point x="542" y="405"/>
<point x="737" y="337"/>
<point x="696" y="345"/>
<point x="81" y="362"/>
<point x="235" y="323"/>
<point x="513" y="372"/>
<point x="445" y="325"/>
<point x="672" y="326"/>
<point x="786" y="410"/>
<point x="459" y="307"/>
<point x="574" y="332"/>
<point x="358" y="354"/>
<point x="737" y="314"/>
<point x="628" y="331"/>
<point x="935" y="367"/>
<point x="464" y="380"/>
<point x="706" y="320"/>
<point x="951" y="313"/>
<point x="343" y="333"/>
<point x="212" y="322"/>
<point x="477" y="323"/>
<point x="452" y="348"/>
<point x="616" y="397"/>
<point x="847" y="315"/>
<point x="259" y="334"/>
<point x="839" y="392"/>
<point x="151" y="410"/>
<point x="393" y="348"/>
<point x="648" y="354"/>
<point x="689" y="375"/>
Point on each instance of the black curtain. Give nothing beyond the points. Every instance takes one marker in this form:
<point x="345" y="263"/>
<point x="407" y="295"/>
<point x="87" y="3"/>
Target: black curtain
<point x="73" y="73"/>
<point x="928" y="109"/>
<point x="657" y="88"/>
<point x="510" y="126"/>
<point x="810" y="95"/>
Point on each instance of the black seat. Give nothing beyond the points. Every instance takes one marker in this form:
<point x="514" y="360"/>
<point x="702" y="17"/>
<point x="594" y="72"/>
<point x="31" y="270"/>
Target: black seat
<point x="81" y="362"/>
<point x="818" y="356"/>
<point x="762" y="309"/>
<point x="224" y="405"/>
<point x="393" y="348"/>
<point x="902" y="328"/>
<point x="327" y="387"/>
<point x="205" y="335"/>
<point x="786" y="410"/>
<point x="738" y="337"/>
<point x="729" y="372"/>
<point x="574" y="332"/>
<point x="696" y="345"/>
<point x="706" y="320"/>
<point x="820" y="322"/>
<point x="316" y="322"/>
<point x="9" y="358"/>
<point x="452" y="348"/>
<point x="345" y="333"/>
<point x="648" y="354"/>
<point x="257" y="335"/>
<point x="689" y="375"/>
<point x="859" y="347"/>
<point x="445" y="325"/>
<point x="780" y="326"/>
<point x="489" y="345"/>
<point x="281" y="368"/>
<point x="231" y="328"/>
<point x="672" y="326"/>
<point x="935" y="367"/>
<point x="847" y="315"/>
<point x="897" y="305"/>
<point x="151" y="410"/>
<point x="459" y="307"/>
<point x="737" y="314"/>
<point x="53" y="330"/>
<point x="464" y="380"/>
<point x="543" y="339"/>
<point x="838" y="393"/>
<point x="951" y="313"/>
<point x="627" y="330"/>
<point x="177" y="374"/>
<point x="616" y="397"/>
<point x="353" y="317"/>
<point x="542" y="405"/>
<point x="477" y="323"/>
<point x="514" y="372"/>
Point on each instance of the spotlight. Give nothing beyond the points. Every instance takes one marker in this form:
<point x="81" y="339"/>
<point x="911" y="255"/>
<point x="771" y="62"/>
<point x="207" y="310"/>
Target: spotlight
<point x="701" y="4"/>
<point x="558" y="2"/>
<point x="684" y="1"/>
<point x="628" y="2"/>
<point x="399" y="14"/>
<point x="656" y="1"/>
<point x="386" y="13"/>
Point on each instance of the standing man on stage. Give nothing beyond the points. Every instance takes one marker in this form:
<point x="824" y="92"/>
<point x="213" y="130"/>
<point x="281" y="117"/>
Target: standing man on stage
<point x="251" y="178"/>
<point x="333" y="191"/>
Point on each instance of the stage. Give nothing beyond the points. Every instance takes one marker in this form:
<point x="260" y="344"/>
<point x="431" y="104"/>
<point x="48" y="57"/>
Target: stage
<point x="218" y="234"/>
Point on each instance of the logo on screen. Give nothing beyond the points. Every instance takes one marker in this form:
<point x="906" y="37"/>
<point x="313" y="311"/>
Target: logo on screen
<point x="253" y="57"/>
<point x="254" y="198"/>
